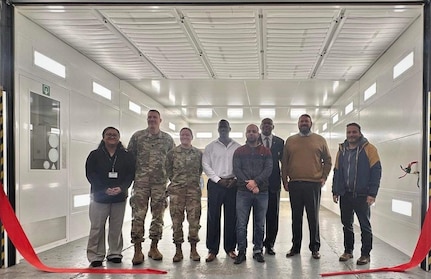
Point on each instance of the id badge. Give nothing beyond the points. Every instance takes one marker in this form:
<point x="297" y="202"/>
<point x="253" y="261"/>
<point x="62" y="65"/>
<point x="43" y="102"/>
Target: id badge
<point x="113" y="174"/>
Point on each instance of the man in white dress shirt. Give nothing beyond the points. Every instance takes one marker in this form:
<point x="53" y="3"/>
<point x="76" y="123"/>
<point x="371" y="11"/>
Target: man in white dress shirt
<point x="217" y="162"/>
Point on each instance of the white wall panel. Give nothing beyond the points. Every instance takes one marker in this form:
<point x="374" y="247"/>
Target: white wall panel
<point x="83" y="117"/>
<point x="392" y="121"/>
<point x="80" y="152"/>
<point x="80" y="222"/>
<point x="84" y="125"/>
<point x="42" y="194"/>
<point x="397" y="114"/>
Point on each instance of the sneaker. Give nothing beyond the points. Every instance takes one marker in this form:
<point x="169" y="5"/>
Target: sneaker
<point x="345" y="257"/>
<point x="363" y="260"/>
<point x="240" y="258"/>
<point x="96" y="263"/>
<point x="259" y="257"/>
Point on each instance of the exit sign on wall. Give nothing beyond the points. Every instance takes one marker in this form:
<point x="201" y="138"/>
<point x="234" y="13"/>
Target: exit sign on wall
<point x="46" y="90"/>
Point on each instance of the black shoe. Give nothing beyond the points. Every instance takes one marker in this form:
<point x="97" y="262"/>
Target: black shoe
<point x="291" y="253"/>
<point x="315" y="255"/>
<point x="96" y="263"/>
<point x="240" y="258"/>
<point x="259" y="257"/>
<point x="270" y="251"/>
<point x="115" y="260"/>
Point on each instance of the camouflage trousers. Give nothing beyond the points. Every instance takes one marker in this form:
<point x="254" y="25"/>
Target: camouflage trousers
<point x="155" y="195"/>
<point x="185" y="200"/>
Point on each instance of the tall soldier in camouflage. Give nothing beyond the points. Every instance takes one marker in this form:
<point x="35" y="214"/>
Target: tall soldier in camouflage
<point x="150" y="147"/>
<point x="184" y="169"/>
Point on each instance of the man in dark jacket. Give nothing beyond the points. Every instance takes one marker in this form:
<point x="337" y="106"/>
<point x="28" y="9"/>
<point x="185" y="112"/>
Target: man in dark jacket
<point x="252" y="165"/>
<point x="356" y="181"/>
<point x="276" y="145"/>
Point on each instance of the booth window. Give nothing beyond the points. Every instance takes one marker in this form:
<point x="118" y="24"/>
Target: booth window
<point x="44" y="132"/>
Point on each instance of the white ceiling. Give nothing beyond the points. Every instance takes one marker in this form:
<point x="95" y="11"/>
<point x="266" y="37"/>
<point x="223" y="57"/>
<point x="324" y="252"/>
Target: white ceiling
<point x="232" y="56"/>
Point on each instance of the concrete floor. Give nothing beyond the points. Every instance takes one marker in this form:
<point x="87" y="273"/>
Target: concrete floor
<point x="302" y="266"/>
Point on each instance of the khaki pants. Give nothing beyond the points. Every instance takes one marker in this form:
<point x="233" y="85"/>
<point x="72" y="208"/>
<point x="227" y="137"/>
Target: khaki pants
<point x="99" y="213"/>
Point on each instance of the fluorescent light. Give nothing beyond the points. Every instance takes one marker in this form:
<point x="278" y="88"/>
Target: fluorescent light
<point x="55" y="131"/>
<point x="296" y="113"/>
<point x="56" y="9"/>
<point x="172" y="97"/>
<point x="403" y="65"/>
<point x="266" y="112"/>
<point x="334" y="119"/>
<point x="399" y="8"/>
<point x="49" y="64"/>
<point x="335" y="85"/>
<point x="236" y="135"/>
<point x="134" y="107"/>
<point x="325" y="126"/>
<point x="175" y="135"/>
<point x="402" y="207"/>
<point x="235" y="112"/>
<point x="156" y="85"/>
<point x="101" y="90"/>
<point x="348" y="108"/>
<point x="204" y="112"/>
<point x="81" y="200"/>
<point x="370" y="91"/>
<point x="172" y="126"/>
<point x="204" y="135"/>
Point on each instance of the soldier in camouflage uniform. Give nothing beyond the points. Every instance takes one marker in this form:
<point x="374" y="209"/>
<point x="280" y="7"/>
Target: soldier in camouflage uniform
<point x="150" y="147"/>
<point x="184" y="169"/>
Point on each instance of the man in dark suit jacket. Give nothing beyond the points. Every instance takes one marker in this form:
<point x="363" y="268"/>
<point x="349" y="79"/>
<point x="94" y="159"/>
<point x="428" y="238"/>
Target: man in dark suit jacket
<point x="276" y="145"/>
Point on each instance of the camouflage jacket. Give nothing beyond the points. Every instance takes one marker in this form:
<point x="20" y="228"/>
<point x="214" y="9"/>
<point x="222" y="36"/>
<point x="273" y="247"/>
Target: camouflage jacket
<point x="150" y="153"/>
<point x="184" y="166"/>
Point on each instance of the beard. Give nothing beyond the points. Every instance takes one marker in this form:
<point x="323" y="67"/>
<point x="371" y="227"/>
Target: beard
<point x="304" y="129"/>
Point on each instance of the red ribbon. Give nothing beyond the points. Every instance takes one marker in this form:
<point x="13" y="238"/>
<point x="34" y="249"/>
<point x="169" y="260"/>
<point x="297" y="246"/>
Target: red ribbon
<point x="423" y="246"/>
<point x="19" y="239"/>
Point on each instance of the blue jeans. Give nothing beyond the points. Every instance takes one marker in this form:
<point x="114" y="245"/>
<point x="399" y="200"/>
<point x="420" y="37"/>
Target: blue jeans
<point x="245" y="200"/>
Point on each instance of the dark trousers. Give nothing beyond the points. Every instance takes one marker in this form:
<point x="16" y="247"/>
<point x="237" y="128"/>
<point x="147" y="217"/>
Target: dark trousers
<point x="218" y="196"/>
<point x="303" y="194"/>
<point x="348" y="206"/>
<point x="272" y="219"/>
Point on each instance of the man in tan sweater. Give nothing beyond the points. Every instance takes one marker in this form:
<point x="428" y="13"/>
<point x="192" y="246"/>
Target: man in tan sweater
<point x="306" y="164"/>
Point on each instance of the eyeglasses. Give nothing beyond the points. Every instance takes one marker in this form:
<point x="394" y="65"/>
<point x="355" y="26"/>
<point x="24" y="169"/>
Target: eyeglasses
<point x="111" y="135"/>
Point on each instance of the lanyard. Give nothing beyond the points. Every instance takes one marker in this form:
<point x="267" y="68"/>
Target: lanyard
<point x="110" y="159"/>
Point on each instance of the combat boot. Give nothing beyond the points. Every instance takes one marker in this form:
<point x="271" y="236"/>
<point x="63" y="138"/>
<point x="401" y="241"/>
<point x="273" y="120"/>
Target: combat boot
<point x="193" y="253"/>
<point x="154" y="253"/>
<point x="138" y="257"/>
<point x="178" y="254"/>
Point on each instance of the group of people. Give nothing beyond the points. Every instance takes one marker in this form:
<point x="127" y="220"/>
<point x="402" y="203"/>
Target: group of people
<point x="240" y="178"/>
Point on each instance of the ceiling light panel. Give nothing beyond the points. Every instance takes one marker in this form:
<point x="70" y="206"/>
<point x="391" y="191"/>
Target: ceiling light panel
<point x="360" y="43"/>
<point x="229" y="39"/>
<point x="235" y="113"/>
<point x="266" y="113"/>
<point x="204" y="113"/>
<point x="160" y="36"/>
<point x="294" y="40"/>
<point x="82" y="29"/>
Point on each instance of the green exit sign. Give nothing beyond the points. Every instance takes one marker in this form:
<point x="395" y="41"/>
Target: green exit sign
<point x="46" y="90"/>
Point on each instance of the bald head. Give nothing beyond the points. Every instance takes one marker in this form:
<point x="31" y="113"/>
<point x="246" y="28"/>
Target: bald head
<point x="252" y="134"/>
